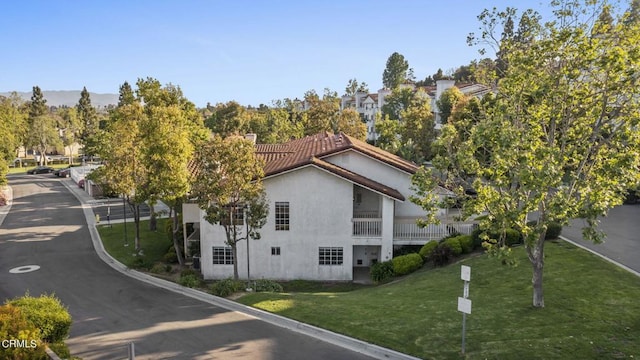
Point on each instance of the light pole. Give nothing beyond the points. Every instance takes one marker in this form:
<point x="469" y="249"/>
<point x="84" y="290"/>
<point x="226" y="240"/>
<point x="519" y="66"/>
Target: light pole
<point x="124" y="215"/>
<point x="246" y="221"/>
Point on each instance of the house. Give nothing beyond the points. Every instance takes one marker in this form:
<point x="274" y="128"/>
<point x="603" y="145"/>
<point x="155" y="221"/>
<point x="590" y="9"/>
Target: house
<point x="335" y="203"/>
<point x="369" y="105"/>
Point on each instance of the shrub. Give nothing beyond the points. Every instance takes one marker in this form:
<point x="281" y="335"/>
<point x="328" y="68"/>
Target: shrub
<point x="170" y="256"/>
<point x="406" y="249"/>
<point x="14" y="326"/>
<point x="264" y="285"/>
<point x="427" y="249"/>
<point x="47" y="314"/>
<point x="189" y="281"/>
<point x="406" y="264"/>
<point x="512" y="237"/>
<point x="476" y="238"/>
<point x="226" y="287"/>
<point x="553" y="231"/>
<point x="141" y="263"/>
<point x="454" y="245"/>
<point x="159" y="268"/>
<point x="442" y="255"/>
<point x="381" y="271"/>
<point x="466" y="243"/>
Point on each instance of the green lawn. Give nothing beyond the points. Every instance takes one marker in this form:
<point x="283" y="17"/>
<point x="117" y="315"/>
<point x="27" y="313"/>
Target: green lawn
<point x="592" y="310"/>
<point x="154" y="244"/>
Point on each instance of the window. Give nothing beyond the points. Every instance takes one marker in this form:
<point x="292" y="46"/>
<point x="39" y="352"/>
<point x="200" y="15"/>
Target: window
<point x="330" y="256"/>
<point x="275" y="250"/>
<point x="222" y="255"/>
<point x="238" y="215"/>
<point x="282" y="215"/>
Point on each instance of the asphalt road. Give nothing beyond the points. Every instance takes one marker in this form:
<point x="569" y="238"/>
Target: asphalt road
<point x="46" y="227"/>
<point x="622" y="244"/>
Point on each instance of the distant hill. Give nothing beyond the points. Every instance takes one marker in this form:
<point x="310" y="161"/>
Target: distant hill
<point x="70" y="98"/>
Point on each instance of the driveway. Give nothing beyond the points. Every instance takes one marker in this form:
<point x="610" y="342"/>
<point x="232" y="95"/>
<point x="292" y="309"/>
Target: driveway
<point x="622" y="244"/>
<point x="46" y="227"/>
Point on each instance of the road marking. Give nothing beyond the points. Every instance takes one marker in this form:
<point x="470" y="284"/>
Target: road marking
<point x="24" y="269"/>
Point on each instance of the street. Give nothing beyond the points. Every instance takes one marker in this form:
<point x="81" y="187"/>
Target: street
<point x="46" y="227"/>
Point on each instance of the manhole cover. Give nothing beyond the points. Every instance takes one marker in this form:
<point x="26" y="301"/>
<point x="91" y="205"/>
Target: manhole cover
<point x="24" y="269"/>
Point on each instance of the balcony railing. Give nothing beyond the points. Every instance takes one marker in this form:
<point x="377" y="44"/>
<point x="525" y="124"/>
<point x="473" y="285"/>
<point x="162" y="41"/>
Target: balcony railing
<point x="367" y="227"/>
<point x="407" y="229"/>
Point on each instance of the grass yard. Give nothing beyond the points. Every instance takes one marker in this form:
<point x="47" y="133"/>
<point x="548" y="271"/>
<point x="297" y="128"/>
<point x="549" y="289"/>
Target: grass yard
<point x="154" y="244"/>
<point x="592" y="310"/>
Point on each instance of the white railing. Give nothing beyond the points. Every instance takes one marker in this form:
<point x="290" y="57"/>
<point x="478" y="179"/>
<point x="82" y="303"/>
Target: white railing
<point x="366" y="214"/>
<point x="367" y="227"/>
<point x="407" y="229"/>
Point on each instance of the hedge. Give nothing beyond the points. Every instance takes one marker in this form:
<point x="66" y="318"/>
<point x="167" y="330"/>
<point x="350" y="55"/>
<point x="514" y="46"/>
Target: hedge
<point x="381" y="271"/>
<point x="47" y="314"/>
<point x="406" y="264"/>
<point x="427" y="249"/>
<point x="454" y="245"/>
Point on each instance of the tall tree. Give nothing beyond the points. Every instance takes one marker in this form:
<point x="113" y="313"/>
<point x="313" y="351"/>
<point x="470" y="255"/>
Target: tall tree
<point x="396" y="71"/>
<point x="43" y="134"/>
<point x="89" y="119"/>
<point x="353" y="87"/>
<point x="126" y="96"/>
<point x="228" y="118"/>
<point x="399" y="100"/>
<point x="229" y="189"/>
<point x="38" y="104"/>
<point x="560" y="138"/>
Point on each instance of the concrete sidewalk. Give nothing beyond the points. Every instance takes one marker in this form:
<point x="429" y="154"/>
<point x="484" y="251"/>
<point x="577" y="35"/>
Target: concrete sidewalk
<point x="362" y="347"/>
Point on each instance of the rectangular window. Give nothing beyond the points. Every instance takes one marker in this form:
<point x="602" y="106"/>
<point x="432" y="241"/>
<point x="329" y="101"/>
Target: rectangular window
<point x="275" y="251"/>
<point x="330" y="256"/>
<point x="238" y="215"/>
<point x="222" y="255"/>
<point x="282" y="215"/>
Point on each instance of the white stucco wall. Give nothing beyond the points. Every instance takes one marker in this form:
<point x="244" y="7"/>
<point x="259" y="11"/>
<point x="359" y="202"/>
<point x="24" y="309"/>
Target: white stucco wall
<point x="320" y="206"/>
<point x="382" y="173"/>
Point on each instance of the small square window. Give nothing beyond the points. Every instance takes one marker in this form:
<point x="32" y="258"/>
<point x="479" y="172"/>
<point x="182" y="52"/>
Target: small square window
<point x="275" y="251"/>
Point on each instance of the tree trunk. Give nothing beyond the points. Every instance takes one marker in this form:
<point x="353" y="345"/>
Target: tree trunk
<point x="136" y="219"/>
<point x="176" y="242"/>
<point x="234" y="251"/>
<point x="153" y="220"/>
<point x="536" y="256"/>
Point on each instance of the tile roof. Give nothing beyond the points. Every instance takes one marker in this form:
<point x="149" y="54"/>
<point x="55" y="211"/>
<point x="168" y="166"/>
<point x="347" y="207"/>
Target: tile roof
<point x="311" y="150"/>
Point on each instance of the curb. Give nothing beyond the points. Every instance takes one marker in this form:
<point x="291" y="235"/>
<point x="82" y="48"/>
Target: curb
<point x="343" y="341"/>
<point x="622" y="266"/>
<point x="7" y="191"/>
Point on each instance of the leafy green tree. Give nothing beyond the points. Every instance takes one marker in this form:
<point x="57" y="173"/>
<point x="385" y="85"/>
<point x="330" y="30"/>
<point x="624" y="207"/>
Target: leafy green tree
<point x="321" y="112"/>
<point x="353" y="87"/>
<point x="349" y="122"/>
<point x="43" y="134"/>
<point x="417" y="130"/>
<point x="12" y="126"/>
<point x="447" y="101"/>
<point x="399" y="100"/>
<point x="396" y="71"/>
<point x="89" y="119"/>
<point x="229" y="189"/>
<point x="560" y="138"/>
<point x="281" y="127"/>
<point x="71" y="128"/>
<point x="228" y="118"/>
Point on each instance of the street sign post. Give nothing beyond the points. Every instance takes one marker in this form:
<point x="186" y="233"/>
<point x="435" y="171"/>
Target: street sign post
<point x="464" y="304"/>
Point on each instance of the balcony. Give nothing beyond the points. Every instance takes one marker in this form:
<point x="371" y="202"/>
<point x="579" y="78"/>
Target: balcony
<point x="367" y="227"/>
<point x="407" y="232"/>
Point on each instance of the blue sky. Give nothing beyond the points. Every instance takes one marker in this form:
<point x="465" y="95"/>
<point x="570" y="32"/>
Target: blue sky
<point x="216" y="51"/>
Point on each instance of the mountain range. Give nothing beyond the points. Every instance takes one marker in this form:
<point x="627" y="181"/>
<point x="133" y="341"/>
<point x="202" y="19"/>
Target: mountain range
<point x="69" y="97"/>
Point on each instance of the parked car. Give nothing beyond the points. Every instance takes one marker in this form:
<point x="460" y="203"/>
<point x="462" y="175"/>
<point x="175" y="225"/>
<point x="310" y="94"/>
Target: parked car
<point x="64" y="173"/>
<point x="81" y="183"/>
<point x="41" y="170"/>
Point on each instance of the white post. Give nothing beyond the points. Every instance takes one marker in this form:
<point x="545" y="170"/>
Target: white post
<point x="464" y="304"/>
<point x="132" y="351"/>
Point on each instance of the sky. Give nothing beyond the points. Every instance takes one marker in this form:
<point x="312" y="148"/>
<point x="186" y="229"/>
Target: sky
<point x="252" y="52"/>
